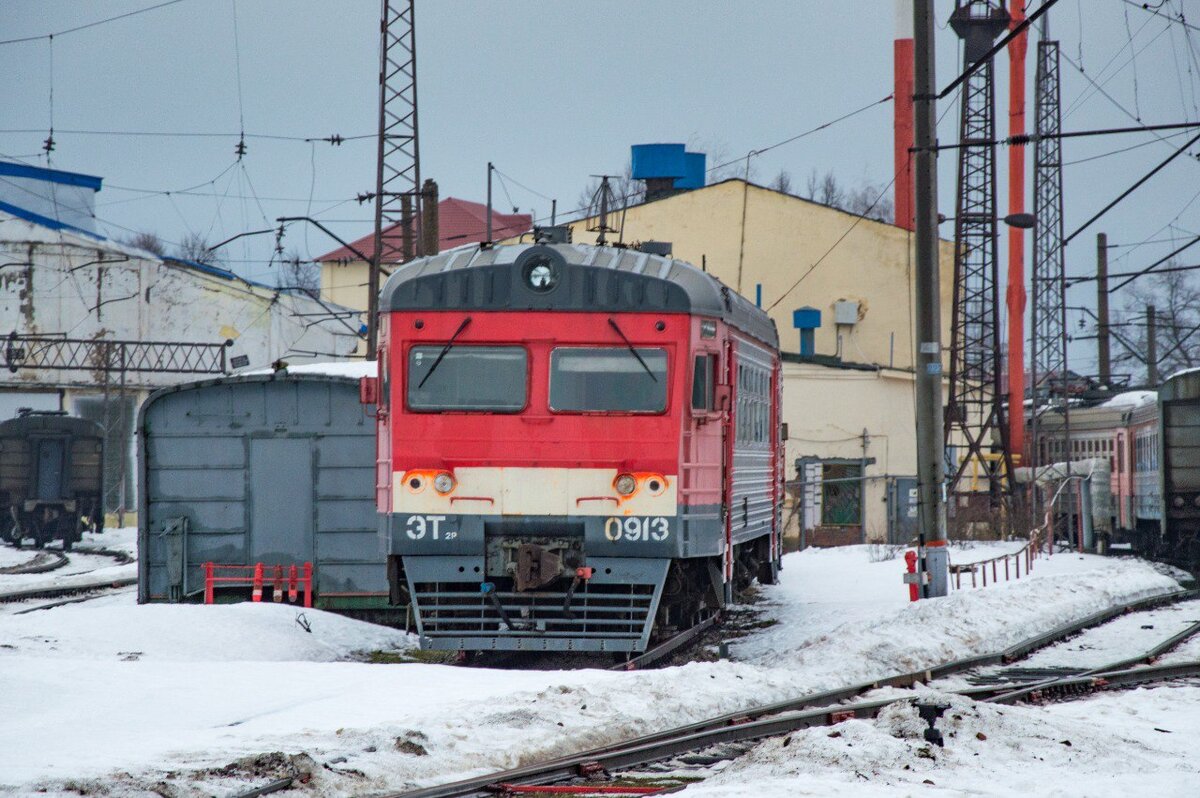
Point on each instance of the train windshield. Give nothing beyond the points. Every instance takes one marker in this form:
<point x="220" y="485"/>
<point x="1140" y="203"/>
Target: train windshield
<point x="608" y="379"/>
<point x="491" y="378"/>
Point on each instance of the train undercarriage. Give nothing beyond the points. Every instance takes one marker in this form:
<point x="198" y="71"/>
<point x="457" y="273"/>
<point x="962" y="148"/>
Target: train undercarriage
<point x="548" y="600"/>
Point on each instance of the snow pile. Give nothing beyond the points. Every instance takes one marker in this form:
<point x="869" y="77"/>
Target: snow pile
<point x="356" y="369"/>
<point x="845" y="621"/>
<point x="1132" y="399"/>
<point x="1137" y="744"/>
<point x="123" y="539"/>
<point x="265" y="632"/>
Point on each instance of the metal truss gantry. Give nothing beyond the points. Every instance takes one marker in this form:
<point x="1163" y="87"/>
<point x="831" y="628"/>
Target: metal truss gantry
<point x="105" y="358"/>
<point x="975" y="416"/>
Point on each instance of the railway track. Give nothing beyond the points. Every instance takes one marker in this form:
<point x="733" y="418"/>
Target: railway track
<point x="733" y="731"/>
<point x="50" y="560"/>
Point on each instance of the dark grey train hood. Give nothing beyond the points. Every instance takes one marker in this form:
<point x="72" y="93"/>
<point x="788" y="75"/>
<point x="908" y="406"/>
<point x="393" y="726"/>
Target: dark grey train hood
<point x="585" y="278"/>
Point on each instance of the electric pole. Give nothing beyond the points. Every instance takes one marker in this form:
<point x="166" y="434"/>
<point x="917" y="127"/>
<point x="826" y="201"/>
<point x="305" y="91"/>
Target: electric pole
<point x="1102" y="343"/>
<point x="930" y="472"/>
<point x="1152" y="347"/>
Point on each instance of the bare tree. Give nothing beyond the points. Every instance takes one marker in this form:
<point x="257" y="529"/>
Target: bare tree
<point x="782" y="182"/>
<point x="195" y="247"/>
<point x="147" y="241"/>
<point x="872" y="201"/>
<point x="1176" y="300"/>
<point x="867" y="199"/>
<point x="296" y="272"/>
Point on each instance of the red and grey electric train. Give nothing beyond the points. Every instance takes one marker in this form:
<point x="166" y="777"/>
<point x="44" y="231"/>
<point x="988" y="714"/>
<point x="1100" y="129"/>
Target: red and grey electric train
<point x="578" y="446"/>
<point x="1152" y="444"/>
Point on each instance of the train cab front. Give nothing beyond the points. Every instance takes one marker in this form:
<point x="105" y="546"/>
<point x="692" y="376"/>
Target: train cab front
<point x="534" y="500"/>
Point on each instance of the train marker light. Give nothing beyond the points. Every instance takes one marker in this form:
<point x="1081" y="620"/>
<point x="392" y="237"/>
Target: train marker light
<point x="625" y="484"/>
<point x="443" y="483"/>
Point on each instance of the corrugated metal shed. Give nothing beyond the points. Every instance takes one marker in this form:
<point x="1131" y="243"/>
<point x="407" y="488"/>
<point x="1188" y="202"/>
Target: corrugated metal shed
<point x="274" y="468"/>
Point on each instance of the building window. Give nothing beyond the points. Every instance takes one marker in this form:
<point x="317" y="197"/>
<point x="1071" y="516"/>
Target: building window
<point x="841" y="494"/>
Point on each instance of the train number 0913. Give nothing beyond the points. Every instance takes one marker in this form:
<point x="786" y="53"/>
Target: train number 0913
<point x="634" y="529"/>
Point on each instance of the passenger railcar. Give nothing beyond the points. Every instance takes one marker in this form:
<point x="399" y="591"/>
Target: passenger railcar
<point x="51" y="478"/>
<point x="577" y="446"/>
<point x="1179" y="461"/>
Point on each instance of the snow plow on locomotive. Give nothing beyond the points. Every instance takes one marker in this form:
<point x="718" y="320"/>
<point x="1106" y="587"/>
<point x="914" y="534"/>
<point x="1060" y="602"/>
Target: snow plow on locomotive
<point x="578" y="446"/>
<point x="51" y="478"/>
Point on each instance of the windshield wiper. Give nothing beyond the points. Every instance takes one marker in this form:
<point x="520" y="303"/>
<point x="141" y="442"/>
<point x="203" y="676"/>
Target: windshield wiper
<point x="449" y="345"/>
<point x="613" y="324"/>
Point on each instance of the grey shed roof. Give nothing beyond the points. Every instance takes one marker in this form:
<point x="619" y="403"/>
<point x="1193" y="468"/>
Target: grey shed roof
<point x="593" y="278"/>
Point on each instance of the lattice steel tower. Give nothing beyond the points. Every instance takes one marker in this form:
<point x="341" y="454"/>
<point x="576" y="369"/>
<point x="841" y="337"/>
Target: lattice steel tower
<point x="398" y="167"/>
<point x="975" y="413"/>
<point x="1048" y="342"/>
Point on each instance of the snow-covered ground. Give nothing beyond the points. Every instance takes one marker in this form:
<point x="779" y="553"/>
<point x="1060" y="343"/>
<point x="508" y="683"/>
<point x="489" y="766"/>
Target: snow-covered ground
<point x="106" y="692"/>
<point x="82" y="568"/>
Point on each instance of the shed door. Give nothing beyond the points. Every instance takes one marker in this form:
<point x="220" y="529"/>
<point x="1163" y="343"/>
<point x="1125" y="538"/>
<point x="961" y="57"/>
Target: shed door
<point x="280" y="494"/>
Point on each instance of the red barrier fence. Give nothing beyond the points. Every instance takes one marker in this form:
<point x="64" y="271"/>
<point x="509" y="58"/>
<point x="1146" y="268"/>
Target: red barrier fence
<point x="282" y="579"/>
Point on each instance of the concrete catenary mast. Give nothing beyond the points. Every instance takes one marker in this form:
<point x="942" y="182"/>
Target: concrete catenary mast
<point x="931" y="517"/>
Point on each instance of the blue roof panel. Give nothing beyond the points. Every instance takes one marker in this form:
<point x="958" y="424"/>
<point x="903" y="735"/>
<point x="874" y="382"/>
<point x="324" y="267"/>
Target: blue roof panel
<point x="10" y="169"/>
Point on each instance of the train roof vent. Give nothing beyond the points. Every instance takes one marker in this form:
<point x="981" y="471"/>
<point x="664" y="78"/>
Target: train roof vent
<point x="662" y="248"/>
<point x="558" y="234"/>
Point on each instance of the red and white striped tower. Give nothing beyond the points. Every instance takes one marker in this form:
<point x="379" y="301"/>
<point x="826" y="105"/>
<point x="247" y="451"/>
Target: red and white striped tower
<point x="1015" y="295"/>
<point x="902" y="106"/>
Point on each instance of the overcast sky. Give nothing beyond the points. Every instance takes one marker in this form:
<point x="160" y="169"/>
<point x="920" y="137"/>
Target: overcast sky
<point x="551" y="92"/>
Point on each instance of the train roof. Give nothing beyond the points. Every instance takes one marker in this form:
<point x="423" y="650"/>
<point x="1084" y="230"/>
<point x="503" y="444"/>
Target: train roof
<point x="49" y="423"/>
<point x="585" y="278"/>
<point x="1183" y="384"/>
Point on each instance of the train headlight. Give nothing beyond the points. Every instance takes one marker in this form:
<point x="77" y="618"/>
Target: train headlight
<point x="443" y="483"/>
<point x="1196" y="501"/>
<point x="1177" y="501"/>
<point x="625" y="484"/>
<point x="415" y="483"/>
<point x="656" y="484"/>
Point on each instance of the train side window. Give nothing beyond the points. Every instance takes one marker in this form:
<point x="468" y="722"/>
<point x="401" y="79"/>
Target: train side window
<point x="704" y="384"/>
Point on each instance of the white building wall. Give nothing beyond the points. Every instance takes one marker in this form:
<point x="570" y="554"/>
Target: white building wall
<point x="69" y="285"/>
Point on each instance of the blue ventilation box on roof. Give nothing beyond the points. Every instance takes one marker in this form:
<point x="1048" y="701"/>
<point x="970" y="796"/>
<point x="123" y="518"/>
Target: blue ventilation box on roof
<point x="658" y="161"/>
<point x="694" y="163"/>
<point x="807" y="320"/>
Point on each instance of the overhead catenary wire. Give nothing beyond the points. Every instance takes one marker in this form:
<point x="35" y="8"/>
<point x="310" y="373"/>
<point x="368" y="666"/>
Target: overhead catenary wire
<point x="334" y="139"/>
<point x="90" y="24"/>
<point x="1155" y="265"/>
<point x="1141" y="181"/>
<point x="1145" y="7"/>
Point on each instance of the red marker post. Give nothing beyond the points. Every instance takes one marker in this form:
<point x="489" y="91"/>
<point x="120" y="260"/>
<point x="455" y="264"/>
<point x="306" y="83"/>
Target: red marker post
<point x="913" y="579"/>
